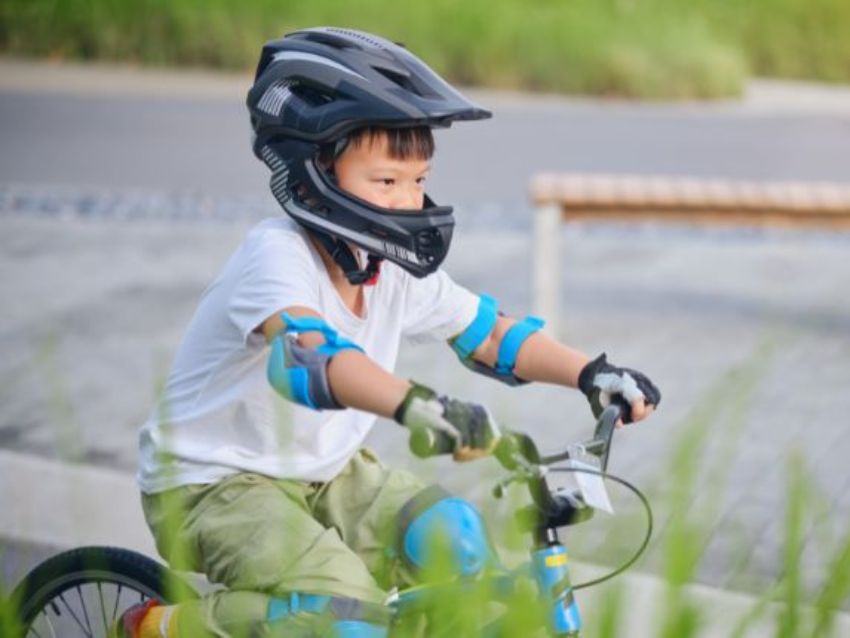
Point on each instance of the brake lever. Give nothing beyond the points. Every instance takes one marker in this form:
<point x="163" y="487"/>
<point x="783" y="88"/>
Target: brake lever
<point x="599" y="446"/>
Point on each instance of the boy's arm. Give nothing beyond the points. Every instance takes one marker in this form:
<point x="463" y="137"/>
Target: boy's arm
<point x="541" y="358"/>
<point x="355" y="380"/>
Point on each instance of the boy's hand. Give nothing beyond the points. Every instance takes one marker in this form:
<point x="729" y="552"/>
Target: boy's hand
<point x="603" y="383"/>
<point x="470" y="425"/>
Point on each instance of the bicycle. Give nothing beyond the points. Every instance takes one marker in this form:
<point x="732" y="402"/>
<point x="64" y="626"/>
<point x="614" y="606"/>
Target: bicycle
<point x="84" y="590"/>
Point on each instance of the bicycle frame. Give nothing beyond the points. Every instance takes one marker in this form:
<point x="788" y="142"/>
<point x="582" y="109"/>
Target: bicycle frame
<point x="549" y="564"/>
<point x="548" y="568"/>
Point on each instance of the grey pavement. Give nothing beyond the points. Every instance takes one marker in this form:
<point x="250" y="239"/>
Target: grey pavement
<point x="99" y="307"/>
<point x="115" y="213"/>
<point x="128" y="128"/>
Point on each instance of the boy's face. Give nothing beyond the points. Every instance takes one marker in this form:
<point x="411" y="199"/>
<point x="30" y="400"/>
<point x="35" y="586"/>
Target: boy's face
<point x="367" y="171"/>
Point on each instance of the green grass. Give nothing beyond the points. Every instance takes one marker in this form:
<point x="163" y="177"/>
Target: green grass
<point x="638" y="48"/>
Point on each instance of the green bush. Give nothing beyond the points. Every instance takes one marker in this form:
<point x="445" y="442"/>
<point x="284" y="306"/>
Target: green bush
<point x="634" y="48"/>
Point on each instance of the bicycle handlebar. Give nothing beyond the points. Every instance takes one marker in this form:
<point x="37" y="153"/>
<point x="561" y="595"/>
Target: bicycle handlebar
<point x="425" y="442"/>
<point x="515" y="447"/>
<point x="549" y="510"/>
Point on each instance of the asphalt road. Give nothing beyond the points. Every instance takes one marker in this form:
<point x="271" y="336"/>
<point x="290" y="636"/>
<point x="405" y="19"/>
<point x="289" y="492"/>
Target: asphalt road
<point x="189" y="132"/>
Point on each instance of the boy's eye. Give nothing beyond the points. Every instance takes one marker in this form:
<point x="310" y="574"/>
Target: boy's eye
<point x="420" y="180"/>
<point x="387" y="181"/>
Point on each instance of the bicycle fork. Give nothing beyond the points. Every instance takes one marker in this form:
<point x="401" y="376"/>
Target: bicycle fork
<point x="549" y="564"/>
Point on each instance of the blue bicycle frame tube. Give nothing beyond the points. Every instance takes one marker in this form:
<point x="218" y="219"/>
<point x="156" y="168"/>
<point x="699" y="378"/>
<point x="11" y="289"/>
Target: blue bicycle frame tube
<point x="549" y="565"/>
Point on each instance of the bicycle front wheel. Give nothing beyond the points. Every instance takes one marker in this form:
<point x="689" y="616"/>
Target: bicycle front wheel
<point x="82" y="592"/>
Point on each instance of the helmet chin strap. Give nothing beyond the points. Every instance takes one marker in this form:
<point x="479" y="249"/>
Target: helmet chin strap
<point x="346" y="259"/>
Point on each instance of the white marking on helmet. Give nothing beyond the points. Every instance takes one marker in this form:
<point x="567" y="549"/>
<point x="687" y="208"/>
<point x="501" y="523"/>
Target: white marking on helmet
<point x="271" y="158"/>
<point x="299" y="212"/>
<point x="400" y="252"/>
<point x="312" y="57"/>
<point x="275" y="97"/>
<point x="334" y="229"/>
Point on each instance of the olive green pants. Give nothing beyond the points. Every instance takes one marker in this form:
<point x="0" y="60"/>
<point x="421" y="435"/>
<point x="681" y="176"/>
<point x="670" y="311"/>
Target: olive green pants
<point x="261" y="537"/>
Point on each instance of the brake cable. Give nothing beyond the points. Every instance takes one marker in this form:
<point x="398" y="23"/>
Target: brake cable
<point x="564" y="584"/>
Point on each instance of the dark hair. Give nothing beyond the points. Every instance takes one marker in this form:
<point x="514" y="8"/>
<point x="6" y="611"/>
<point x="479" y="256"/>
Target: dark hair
<point x="403" y="143"/>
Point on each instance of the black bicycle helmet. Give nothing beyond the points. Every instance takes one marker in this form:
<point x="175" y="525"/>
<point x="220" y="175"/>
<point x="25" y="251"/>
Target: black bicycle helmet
<point x="312" y="88"/>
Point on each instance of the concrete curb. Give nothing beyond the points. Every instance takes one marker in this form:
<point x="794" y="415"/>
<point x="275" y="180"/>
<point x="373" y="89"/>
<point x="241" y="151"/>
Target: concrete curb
<point x="100" y="79"/>
<point x="63" y="505"/>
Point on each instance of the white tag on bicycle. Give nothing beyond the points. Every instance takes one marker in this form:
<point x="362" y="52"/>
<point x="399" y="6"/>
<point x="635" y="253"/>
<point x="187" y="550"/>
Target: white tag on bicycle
<point x="591" y="486"/>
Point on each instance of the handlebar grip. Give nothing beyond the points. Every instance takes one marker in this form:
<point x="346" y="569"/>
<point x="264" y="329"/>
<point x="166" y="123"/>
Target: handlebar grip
<point x="624" y="407"/>
<point x="425" y="442"/>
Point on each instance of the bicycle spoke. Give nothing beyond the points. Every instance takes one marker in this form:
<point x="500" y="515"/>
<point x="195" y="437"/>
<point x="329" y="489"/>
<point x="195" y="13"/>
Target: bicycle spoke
<point x="50" y="624"/>
<point x="102" y="608"/>
<point x="102" y="594"/>
<point x="85" y="611"/>
<point x="115" y="609"/>
<point x="32" y="630"/>
<point x="71" y="611"/>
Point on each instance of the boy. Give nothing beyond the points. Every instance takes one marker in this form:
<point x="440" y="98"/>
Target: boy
<point x="306" y="530"/>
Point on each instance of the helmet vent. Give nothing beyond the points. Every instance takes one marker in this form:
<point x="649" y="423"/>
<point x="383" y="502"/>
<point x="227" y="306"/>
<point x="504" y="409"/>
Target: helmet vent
<point x="397" y="78"/>
<point x="275" y="97"/>
<point x="311" y="96"/>
<point x="357" y="35"/>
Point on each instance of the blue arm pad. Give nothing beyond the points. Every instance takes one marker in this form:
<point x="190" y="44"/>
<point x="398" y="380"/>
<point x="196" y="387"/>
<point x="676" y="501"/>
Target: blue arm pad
<point x="300" y="374"/>
<point x="290" y="380"/>
<point x="333" y="342"/>
<point x="512" y="342"/>
<point x="480" y="328"/>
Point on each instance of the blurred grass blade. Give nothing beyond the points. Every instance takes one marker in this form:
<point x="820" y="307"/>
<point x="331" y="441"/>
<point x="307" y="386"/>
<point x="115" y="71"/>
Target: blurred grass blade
<point x="835" y="591"/>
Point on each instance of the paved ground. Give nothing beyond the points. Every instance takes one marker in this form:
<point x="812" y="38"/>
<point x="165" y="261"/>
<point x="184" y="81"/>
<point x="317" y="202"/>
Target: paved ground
<point x="99" y="277"/>
<point x="99" y="306"/>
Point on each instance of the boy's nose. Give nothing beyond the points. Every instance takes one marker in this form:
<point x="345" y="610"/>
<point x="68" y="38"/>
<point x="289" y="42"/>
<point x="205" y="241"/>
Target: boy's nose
<point x="410" y="199"/>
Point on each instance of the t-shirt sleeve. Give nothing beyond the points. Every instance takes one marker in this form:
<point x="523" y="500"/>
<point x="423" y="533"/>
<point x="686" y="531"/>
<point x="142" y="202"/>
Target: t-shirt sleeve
<point x="278" y="272"/>
<point x="436" y="308"/>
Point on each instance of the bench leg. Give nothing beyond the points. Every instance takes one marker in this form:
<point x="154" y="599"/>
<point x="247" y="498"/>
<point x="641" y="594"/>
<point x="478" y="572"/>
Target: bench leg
<point x="546" y="280"/>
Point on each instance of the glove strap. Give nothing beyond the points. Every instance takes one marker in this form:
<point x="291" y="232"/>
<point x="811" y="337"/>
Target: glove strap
<point x="416" y="391"/>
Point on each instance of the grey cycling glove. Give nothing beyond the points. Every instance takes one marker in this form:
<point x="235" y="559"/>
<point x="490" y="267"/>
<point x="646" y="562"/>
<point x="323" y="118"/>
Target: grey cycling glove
<point x="471" y="426"/>
<point x="603" y="384"/>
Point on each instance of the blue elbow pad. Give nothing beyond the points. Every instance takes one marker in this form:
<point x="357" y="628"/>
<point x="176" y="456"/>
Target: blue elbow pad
<point x="301" y="374"/>
<point x="480" y="328"/>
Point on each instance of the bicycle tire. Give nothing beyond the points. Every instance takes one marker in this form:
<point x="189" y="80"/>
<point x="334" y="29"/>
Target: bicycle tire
<point x="41" y="593"/>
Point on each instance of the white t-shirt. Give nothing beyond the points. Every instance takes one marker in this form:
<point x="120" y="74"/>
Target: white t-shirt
<point x="218" y="415"/>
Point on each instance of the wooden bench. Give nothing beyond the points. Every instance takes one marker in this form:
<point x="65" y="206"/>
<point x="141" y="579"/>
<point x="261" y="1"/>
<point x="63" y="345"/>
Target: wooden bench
<point x="607" y="198"/>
